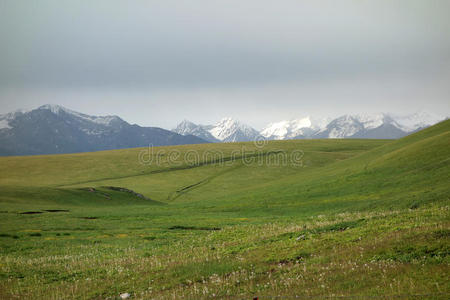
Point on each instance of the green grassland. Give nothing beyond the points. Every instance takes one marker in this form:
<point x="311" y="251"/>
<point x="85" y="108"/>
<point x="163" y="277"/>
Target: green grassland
<point x="353" y="218"/>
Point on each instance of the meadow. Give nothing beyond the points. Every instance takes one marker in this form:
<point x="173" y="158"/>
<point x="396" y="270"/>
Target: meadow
<point x="298" y="218"/>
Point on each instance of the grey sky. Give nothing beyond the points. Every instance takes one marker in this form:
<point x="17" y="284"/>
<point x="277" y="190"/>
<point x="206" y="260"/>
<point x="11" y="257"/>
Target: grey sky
<point x="158" y="62"/>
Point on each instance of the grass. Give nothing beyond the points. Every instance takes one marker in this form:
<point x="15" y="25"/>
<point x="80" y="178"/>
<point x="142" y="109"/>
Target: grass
<point x="350" y="218"/>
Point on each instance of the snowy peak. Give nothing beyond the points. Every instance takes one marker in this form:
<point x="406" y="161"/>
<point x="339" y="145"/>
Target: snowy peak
<point x="379" y="125"/>
<point x="6" y="119"/>
<point x="101" y="120"/>
<point x="375" y="120"/>
<point x="230" y="130"/>
<point x="301" y="123"/>
<point x="355" y="125"/>
<point x="344" y="126"/>
<point x="286" y="129"/>
<point x="417" y="120"/>
<point x="91" y="125"/>
<point x="371" y="121"/>
<point x="52" y="129"/>
<point x="188" y="128"/>
<point x="296" y="128"/>
<point x="56" y="109"/>
<point x="278" y="130"/>
<point x="226" y="130"/>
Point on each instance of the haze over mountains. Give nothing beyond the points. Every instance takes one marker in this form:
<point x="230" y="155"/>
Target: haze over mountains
<point x="52" y="129"/>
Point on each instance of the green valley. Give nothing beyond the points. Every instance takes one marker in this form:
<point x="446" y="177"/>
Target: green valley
<point x="294" y="218"/>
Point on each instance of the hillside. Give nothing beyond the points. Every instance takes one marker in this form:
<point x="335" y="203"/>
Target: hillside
<point x="242" y="220"/>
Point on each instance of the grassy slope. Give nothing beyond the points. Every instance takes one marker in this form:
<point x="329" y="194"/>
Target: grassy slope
<point x="350" y="202"/>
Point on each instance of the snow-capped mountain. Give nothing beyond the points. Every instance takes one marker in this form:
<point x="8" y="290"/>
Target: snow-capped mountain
<point x="292" y="129"/>
<point x="188" y="128"/>
<point x="226" y="130"/>
<point x="230" y="130"/>
<point x="361" y="126"/>
<point x="416" y="121"/>
<point x="377" y="126"/>
<point x="102" y="120"/>
<point x="374" y="126"/>
<point x="341" y="127"/>
<point x="53" y="129"/>
<point x="6" y="118"/>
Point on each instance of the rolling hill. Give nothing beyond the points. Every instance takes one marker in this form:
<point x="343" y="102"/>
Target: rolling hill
<point x="293" y="218"/>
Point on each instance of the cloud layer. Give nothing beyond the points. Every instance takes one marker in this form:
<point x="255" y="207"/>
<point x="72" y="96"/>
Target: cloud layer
<point x="301" y="55"/>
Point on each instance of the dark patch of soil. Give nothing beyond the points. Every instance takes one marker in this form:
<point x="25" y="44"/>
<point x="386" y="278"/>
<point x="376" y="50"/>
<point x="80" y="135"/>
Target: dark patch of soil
<point x="9" y="235"/>
<point x="31" y="212"/>
<point x="35" y="234"/>
<point x="56" y="210"/>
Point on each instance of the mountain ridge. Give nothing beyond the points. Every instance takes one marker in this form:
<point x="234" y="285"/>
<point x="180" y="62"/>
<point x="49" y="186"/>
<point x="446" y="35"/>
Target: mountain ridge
<point x="53" y="129"/>
<point x="226" y="130"/>
<point x="375" y="126"/>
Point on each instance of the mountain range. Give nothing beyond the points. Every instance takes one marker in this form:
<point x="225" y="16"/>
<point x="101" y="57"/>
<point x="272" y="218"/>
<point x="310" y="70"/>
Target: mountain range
<point x="226" y="130"/>
<point x="377" y="126"/>
<point x="52" y="129"/>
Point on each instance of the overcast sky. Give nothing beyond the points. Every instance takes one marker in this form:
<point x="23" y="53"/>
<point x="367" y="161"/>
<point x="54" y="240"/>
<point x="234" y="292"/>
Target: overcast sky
<point x="156" y="63"/>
